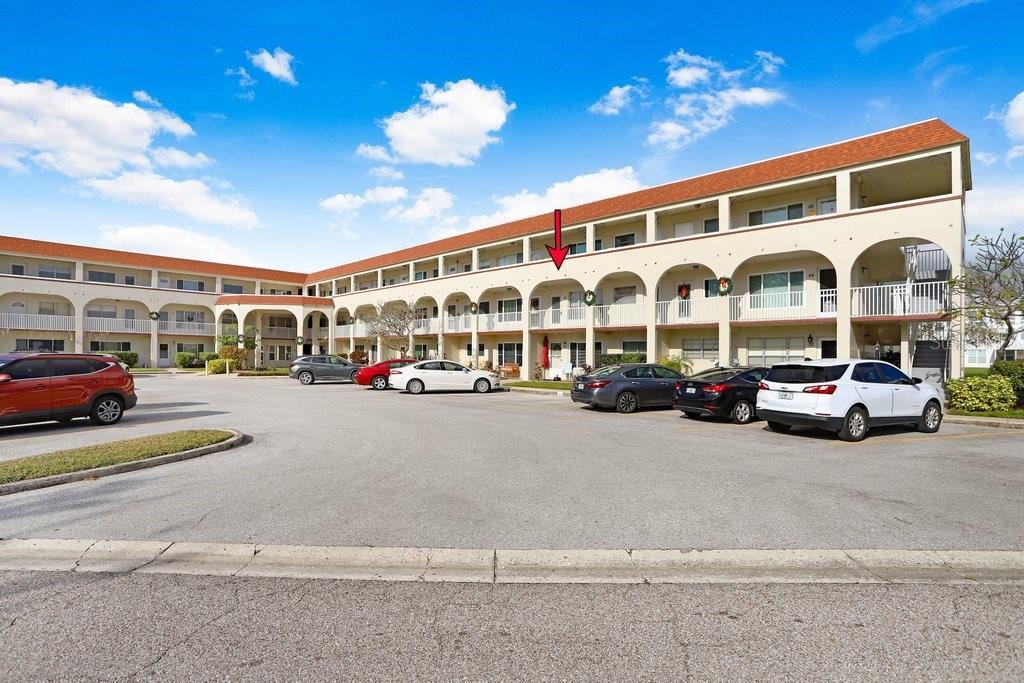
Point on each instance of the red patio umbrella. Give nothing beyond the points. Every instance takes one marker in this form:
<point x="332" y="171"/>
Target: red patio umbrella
<point x="545" y="360"/>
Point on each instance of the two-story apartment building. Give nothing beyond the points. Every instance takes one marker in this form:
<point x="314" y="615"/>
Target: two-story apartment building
<point x="842" y="250"/>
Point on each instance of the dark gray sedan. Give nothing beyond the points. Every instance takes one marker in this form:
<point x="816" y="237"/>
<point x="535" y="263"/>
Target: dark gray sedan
<point x="309" y="369"/>
<point x="626" y="387"/>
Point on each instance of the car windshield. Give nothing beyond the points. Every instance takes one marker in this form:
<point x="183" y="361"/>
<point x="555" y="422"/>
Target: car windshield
<point x="5" y="360"/>
<point x="606" y="370"/>
<point x="713" y="375"/>
<point x="806" y="374"/>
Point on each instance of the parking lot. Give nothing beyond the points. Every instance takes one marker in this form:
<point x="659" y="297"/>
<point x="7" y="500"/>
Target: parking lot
<point x="337" y="464"/>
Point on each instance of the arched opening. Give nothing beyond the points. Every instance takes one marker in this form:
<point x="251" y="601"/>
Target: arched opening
<point x="899" y="307"/>
<point x="272" y="334"/>
<point x="620" y="321"/>
<point x="36" y="322"/>
<point x="118" y="325"/>
<point x="364" y="348"/>
<point x="184" y="329"/>
<point x="687" y="314"/>
<point x="558" y="319"/>
<point x="315" y="333"/>
<point x="500" y="327"/>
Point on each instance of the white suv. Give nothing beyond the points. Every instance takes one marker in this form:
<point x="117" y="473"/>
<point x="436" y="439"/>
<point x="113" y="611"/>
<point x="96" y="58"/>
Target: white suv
<point x="847" y="397"/>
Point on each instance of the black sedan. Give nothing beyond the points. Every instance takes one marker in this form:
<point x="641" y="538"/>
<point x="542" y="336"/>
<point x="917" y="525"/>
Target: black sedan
<point x="309" y="369"/>
<point x="626" y="387"/>
<point x="722" y="392"/>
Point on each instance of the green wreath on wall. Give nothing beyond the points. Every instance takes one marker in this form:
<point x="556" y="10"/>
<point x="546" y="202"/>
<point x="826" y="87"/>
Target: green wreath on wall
<point x="724" y="286"/>
<point x="589" y="297"/>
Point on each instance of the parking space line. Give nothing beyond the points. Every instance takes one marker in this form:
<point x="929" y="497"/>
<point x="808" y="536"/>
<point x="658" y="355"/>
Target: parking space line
<point x="928" y="437"/>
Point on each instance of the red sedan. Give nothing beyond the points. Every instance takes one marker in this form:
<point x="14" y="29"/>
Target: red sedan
<point x="377" y="375"/>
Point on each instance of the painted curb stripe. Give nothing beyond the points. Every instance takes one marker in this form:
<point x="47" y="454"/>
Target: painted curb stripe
<point x="515" y="566"/>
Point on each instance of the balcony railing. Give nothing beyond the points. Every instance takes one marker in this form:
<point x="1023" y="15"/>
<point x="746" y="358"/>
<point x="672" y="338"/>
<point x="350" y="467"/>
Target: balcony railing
<point x="458" y="323"/>
<point x="916" y="298"/>
<point x="426" y="326"/>
<point x="573" y="316"/>
<point x="689" y="311"/>
<point x="359" y="330"/>
<point x="275" y="332"/>
<point x="124" y="325"/>
<point x="781" y="306"/>
<point x="619" y="315"/>
<point x="37" y="321"/>
<point x="188" y="328"/>
<point x="489" y="322"/>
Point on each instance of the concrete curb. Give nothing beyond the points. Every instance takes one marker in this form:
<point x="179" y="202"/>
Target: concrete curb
<point x="1001" y="422"/>
<point x="31" y="484"/>
<point x="475" y="565"/>
<point x="539" y="392"/>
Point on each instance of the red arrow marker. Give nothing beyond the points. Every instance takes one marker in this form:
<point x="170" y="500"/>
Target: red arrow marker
<point x="558" y="252"/>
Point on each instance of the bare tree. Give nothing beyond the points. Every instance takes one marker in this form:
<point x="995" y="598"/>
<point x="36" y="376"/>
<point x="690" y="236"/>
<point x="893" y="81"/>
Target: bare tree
<point x="991" y="290"/>
<point x="393" y="322"/>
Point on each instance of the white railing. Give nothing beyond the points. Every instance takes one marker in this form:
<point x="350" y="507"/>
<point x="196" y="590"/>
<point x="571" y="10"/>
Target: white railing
<point x="33" y="321"/>
<point x="426" y="326"/>
<point x="489" y="322"/>
<point x="229" y="329"/>
<point x="688" y="311"/>
<point x="458" y="323"/>
<point x="359" y="329"/>
<point x="186" y="328"/>
<point x="619" y="315"/>
<point x="775" y="306"/>
<point x="917" y="298"/>
<point x="828" y="301"/>
<point x="342" y="331"/>
<point x="572" y="316"/>
<point x="126" y="325"/>
<point x="275" y="332"/>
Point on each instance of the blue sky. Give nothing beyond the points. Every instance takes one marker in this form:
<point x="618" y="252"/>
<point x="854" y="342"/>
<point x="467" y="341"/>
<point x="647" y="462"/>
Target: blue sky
<point x="301" y="137"/>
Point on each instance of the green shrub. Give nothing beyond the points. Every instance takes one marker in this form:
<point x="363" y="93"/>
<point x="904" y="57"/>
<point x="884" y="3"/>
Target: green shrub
<point x="973" y="394"/>
<point x="617" y="358"/>
<point x="680" y="364"/>
<point x="208" y="356"/>
<point x="184" y="359"/>
<point x="236" y="355"/>
<point x="1012" y="370"/>
<point x="217" y="366"/>
<point x="358" y="356"/>
<point x="129" y="358"/>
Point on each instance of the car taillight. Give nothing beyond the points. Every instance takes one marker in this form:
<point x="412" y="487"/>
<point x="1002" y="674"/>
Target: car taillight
<point x="598" y="384"/>
<point x="679" y="385"/>
<point x="821" y="389"/>
<point x="714" y="389"/>
<point x="762" y="385"/>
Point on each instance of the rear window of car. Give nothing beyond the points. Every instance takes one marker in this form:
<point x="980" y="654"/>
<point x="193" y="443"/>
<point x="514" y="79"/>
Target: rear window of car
<point x="606" y="370"/>
<point x="806" y="374"/>
<point x="714" y="376"/>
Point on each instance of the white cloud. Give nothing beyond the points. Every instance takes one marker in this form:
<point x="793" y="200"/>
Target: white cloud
<point x="588" y="187"/>
<point x="386" y="173"/>
<point x="172" y="156"/>
<point x="244" y="79"/>
<point x="144" y="97"/>
<point x="449" y="126"/>
<point x="73" y="131"/>
<point x="620" y="97"/>
<point x="188" y="197"/>
<point x="430" y="203"/>
<point x="1012" y="118"/>
<point x="343" y="231"/>
<point x="171" y="241"/>
<point x="351" y="203"/>
<point x="996" y="206"/>
<point x="278" y="65"/>
<point x="1015" y="152"/>
<point x="911" y="17"/>
<point x="986" y="158"/>
<point x="703" y="95"/>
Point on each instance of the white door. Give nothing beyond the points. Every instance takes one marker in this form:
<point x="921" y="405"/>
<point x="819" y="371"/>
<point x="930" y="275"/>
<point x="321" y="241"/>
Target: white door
<point x="455" y="376"/>
<point x="907" y="399"/>
<point x="872" y="389"/>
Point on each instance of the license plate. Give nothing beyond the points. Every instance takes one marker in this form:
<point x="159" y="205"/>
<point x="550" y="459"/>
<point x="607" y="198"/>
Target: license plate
<point x="691" y="390"/>
<point x="788" y="395"/>
<point x="579" y="385"/>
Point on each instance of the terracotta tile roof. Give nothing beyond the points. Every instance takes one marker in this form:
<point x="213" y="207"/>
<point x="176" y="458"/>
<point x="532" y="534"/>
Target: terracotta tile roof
<point x="892" y="143"/>
<point x="274" y="300"/>
<point x="56" y="250"/>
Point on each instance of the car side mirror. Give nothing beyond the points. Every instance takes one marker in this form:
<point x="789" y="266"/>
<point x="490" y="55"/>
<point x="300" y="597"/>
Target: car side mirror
<point x="918" y="380"/>
<point x="4" y="378"/>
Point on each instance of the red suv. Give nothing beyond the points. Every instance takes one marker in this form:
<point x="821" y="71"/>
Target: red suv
<point x="38" y="387"/>
<point x="377" y="375"/>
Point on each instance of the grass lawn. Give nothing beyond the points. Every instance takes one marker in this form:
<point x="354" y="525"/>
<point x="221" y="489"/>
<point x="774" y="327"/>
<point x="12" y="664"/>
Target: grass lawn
<point x="270" y="372"/>
<point x="111" y="453"/>
<point x="1015" y="414"/>
<point x="976" y="372"/>
<point x="534" y="384"/>
<point x="157" y="371"/>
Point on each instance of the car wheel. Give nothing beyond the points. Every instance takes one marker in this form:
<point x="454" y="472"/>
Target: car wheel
<point x="692" y="415"/>
<point x="306" y="377"/>
<point x="379" y="382"/>
<point x="931" y="418"/>
<point x="415" y="386"/>
<point x="779" y="427"/>
<point x="855" y="425"/>
<point x="626" y="402"/>
<point x="107" y="410"/>
<point x="481" y="386"/>
<point x="742" y="413"/>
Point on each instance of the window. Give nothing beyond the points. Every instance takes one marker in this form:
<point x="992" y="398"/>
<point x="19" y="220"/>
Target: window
<point x="892" y="375"/>
<point x="866" y="372"/>
<point x="232" y="289"/>
<point x="664" y="373"/>
<point x="624" y="295"/>
<point x="754" y="376"/>
<point x="510" y="259"/>
<point x="48" y="308"/>
<point x="826" y="206"/>
<point x="129" y="279"/>
<point x="510" y="306"/>
<point x="711" y="287"/>
<point x="420" y="275"/>
<point x="777" y="290"/>
<point x="977" y="356"/>
<point x="97" y="346"/>
<point x="191" y="285"/>
<point x="27" y="369"/>
<point x="57" y="272"/>
<point x="806" y="374"/>
<point x="190" y="316"/>
<point x="710" y="225"/>
<point x="510" y="353"/>
<point x="625" y="240"/>
<point x="634" y="347"/>
<point x="38" y="344"/>
<point x="776" y="215"/>
<point x="577" y="248"/>
<point x="189" y="347"/>
<point x="101" y="276"/>
<point x="101" y="312"/>
<point x="577" y="354"/>
<point x="62" y="367"/>
<point x="485" y="263"/>
<point x="129" y="314"/>
<point x="469" y="349"/>
<point x="643" y="372"/>
<point x="17" y="269"/>
<point x="419" y="351"/>
<point x="451" y="367"/>
<point x="598" y="244"/>
<point x="768" y="351"/>
<point x="700" y="349"/>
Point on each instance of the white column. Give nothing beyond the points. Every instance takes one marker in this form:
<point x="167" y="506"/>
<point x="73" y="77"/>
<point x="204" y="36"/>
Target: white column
<point x="380" y="283"/>
<point x="588" y="337"/>
<point x="332" y="331"/>
<point x="218" y="285"/>
<point x="843" y="192"/>
<point x="410" y="345"/>
<point x="475" y="337"/>
<point x="258" y="287"/>
<point x="905" y="347"/>
<point x="845" y="345"/>
<point x="650" y="318"/>
<point x="526" y="250"/>
<point x="724" y="330"/>
<point x="154" y="343"/>
<point x="476" y="262"/>
<point x="440" y="342"/>
<point x="154" y="276"/>
<point x="724" y="213"/>
<point x="79" y="271"/>
<point x="80" y="331"/>
<point x="412" y="272"/>
<point x="652" y="227"/>
<point x="380" y="350"/>
<point x="958" y="175"/>
<point x="526" y="369"/>
<point x="440" y="266"/>
<point x="590" y="238"/>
